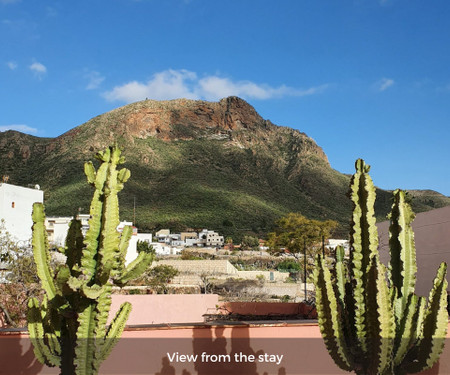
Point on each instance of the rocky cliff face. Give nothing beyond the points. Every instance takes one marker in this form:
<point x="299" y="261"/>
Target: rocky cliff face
<point x="231" y="119"/>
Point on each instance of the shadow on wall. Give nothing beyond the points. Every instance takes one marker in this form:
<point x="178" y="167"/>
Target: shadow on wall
<point x="11" y="354"/>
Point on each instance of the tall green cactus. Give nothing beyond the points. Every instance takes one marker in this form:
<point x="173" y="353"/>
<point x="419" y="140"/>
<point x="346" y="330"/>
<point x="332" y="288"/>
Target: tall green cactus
<point x="69" y="328"/>
<point x="370" y="324"/>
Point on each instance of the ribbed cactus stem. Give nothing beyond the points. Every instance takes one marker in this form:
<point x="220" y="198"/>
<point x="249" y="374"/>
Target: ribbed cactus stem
<point x="69" y="329"/>
<point x="371" y="325"/>
<point x="402" y="266"/>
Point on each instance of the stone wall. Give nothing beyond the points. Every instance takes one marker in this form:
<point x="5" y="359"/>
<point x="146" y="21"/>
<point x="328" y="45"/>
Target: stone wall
<point x="268" y="275"/>
<point x="199" y="267"/>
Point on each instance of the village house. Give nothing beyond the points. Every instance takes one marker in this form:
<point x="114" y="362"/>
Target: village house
<point x="16" y="206"/>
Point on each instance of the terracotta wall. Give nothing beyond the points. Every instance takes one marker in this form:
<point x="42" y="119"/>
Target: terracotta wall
<point x="169" y="308"/>
<point x="153" y="350"/>
<point x="237" y="348"/>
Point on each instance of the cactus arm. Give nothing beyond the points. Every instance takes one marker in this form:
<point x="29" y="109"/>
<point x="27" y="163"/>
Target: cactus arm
<point x="340" y="274"/>
<point x="402" y="267"/>
<point x="329" y="320"/>
<point x="88" y="258"/>
<point x="135" y="268"/>
<point x="45" y="353"/>
<point x="85" y="348"/>
<point x="363" y="236"/>
<point x="125" y="241"/>
<point x="363" y="242"/>
<point x="41" y="253"/>
<point x="53" y="344"/>
<point x="432" y="340"/>
<point x="109" y="247"/>
<point x="115" y="330"/>
<point x="420" y="316"/>
<point x="380" y="319"/>
<point x="74" y="242"/>
<point x="103" y="307"/>
<point x="407" y="332"/>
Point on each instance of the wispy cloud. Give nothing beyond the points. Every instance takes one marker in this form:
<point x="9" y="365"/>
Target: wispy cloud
<point x="19" y="128"/>
<point x="38" y="69"/>
<point x="171" y="84"/>
<point x="384" y="84"/>
<point x="213" y="87"/>
<point x="11" y="65"/>
<point x="94" y="78"/>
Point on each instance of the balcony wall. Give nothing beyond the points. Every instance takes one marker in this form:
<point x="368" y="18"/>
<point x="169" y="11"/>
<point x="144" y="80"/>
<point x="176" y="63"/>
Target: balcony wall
<point x="218" y="348"/>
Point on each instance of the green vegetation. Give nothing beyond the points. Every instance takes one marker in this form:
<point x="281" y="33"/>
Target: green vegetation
<point x="160" y="278"/>
<point x="250" y="243"/>
<point x="239" y="184"/>
<point x="22" y="280"/>
<point x="295" y="233"/>
<point x="289" y="265"/>
<point x="144" y="247"/>
<point x="371" y="325"/>
<point x="69" y="328"/>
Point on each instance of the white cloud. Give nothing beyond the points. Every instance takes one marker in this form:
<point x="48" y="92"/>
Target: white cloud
<point x="11" y="65"/>
<point x="19" y="128"/>
<point x="384" y="84"/>
<point x="214" y="87"/>
<point x="38" y="69"/>
<point x="94" y="80"/>
<point x="171" y="84"/>
<point x="168" y="84"/>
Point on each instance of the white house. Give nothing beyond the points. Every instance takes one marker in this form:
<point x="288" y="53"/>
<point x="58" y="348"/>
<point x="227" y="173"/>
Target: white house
<point x="132" y="246"/>
<point x="58" y="226"/>
<point x="333" y="243"/>
<point x="16" y="207"/>
<point x="210" y="238"/>
<point x="163" y="249"/>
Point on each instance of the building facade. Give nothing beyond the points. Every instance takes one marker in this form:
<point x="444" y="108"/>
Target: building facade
<point x="16" y="207"/>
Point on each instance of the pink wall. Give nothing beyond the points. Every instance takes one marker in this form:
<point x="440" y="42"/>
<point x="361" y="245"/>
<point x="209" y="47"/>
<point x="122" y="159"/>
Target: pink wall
<point x="166" y="308"/>
<point x="147" y="351"/>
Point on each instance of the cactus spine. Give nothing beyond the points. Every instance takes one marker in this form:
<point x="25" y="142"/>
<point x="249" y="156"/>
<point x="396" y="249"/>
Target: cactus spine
<point x="69" y="328"/>
<point x="370" y="324"/>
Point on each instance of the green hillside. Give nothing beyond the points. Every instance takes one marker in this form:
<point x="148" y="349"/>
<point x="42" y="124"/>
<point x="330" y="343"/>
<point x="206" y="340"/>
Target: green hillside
<point x="194" y="164"/>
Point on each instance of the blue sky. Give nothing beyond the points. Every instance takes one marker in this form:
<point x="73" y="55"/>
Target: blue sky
<point x="363" y="78"/>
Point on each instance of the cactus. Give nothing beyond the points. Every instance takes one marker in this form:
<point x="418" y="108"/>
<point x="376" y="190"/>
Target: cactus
<point x="372" y="323"/>
<point x="69" y="328"/>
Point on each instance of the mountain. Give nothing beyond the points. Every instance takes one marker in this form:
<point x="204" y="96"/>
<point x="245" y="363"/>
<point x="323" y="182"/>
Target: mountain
<point x="193" y="164"/>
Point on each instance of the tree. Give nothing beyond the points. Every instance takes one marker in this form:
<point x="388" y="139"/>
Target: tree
<point x="144" y="246"/>
<point x="22" y="281"/>
<point x="294" y="231"/>
<point x="250" y="242"/>
<point x="161" y="276"/>
<point x="7" y="245"/>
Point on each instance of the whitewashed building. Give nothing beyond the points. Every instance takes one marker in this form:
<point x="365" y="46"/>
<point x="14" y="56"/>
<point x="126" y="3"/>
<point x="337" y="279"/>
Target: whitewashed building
<point x="58" y="226"/>
<point x="210" y="238"/>
<point x="16" y="207"/>
<point x="333" y="243"/>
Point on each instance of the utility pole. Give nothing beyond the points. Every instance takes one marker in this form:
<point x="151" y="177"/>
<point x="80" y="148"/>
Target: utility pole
<point x="304" y="271"/>
<point x="134" y="210"/>
<point x="323" y="247"/>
